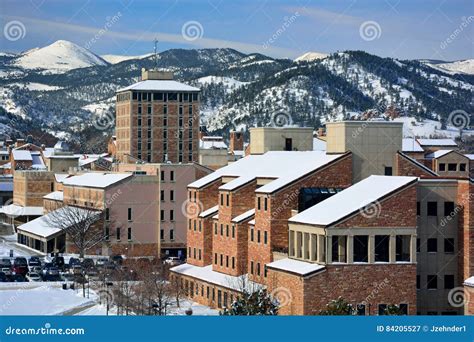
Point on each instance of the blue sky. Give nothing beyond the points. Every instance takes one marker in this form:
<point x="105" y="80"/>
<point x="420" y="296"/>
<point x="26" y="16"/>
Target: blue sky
<point x="401" y="28"/>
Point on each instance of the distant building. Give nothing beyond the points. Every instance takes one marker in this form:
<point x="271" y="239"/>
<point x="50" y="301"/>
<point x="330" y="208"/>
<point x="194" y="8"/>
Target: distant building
<point x="157" y="120"/>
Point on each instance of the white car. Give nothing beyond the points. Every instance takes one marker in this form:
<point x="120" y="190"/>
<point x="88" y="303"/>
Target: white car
<point x="173" y="261"/>
<point x="6" y="270"/>
<point x="33" y="276"/>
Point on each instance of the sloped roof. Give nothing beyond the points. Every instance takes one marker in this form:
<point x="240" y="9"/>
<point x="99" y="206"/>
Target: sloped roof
<point x="352" y="199"/>
<point x="96" y="179"/>
<point x="159" y="85"/>
<point x="411" y="145"/>
<point x="437" y="142"/>
<point x="244" y="216"/>
<point x="296" y="266"/>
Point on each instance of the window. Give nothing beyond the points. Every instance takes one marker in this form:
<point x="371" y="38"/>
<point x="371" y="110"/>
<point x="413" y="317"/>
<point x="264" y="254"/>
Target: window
<point x="382" y="308"/>
<point x="107" y="214"/>
<point x="172" y="176"/>
<point x="361" y="248"/>
<point x="199" y="254"/>
<point x="382" y="248"/>
<point x="258" y="203"/>
<point x="442" y="167"/>
<point x="233" y="231"/>
<point x="215" y="258"/>
<point x="449" y="245"/>
<point x="222" y="260"/>
<point x="222" y="229"/>
<point x="265" y="204"/>
<point x="251" y="234"/>
<point x="171" y="215"/>
<point x="129" y="233"/>
<point x="448" y="208"/>
<point x="258" y="268"/>
<point x="432" y="282"/>
<point x="448" y="281"/>
<point x="227" y="200"/>
<point x="432" y="245"/>
<point x="288" y="144"/>
<point x="194" y="223"/>
<point x="227" y="230"/>
<point x="360" y="309"/>
<point x="171" y="195"/>
<point x="200" y="225"/>
<point x="129" y="214"/>
<point x="462" y="167"/>
<point x="215" y="228"/>
<point x="265" y="237"/>
<point x="171" y="234"/>
<point x="162" y="195"/>
<point x="339" y="244"/>
<point x="418" y="279"/>
<point x="432" y="208"/>
<point x="402" y="247"/>
<point x="251" y="267"/>
<point x="162" y="215"/>
<point x="418" y="209"/>
<point x="258" y="236"/>
<point x="388" y="171"/>
<point x="403" y="308"/>
<point x="222" y="199"/>
<point x="107" y="233"/>
<point x="418" y="245"/>
<point x="162" y="237"/>
<point x="226" y="261"/>
<point x="233" y="262"/>
<point x="452" y="167"/>
<point x="118" y="233"/>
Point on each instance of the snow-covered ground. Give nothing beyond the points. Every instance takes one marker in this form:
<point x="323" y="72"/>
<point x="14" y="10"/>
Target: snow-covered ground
<point x="428" y="128"/>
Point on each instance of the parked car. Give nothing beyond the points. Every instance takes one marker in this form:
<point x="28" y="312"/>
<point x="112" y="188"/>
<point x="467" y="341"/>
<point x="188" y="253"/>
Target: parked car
<point x="3" y="277"/>
<point x="101" y="262"/>
<point x="74" y="261"/>
<point x="58" y="261"/>
<point x="76" y="269"/>
<point x="117" y="259"/>
<point x="6" y="270"/>
<point x="34" y="261"/>
<point x="32" y="276"/>
<point x="18" y="278"/>
<point x="50" y="272"/>
<point x="67" y="277"/>
<point x="173" y="261"/>
<point x="36" y="269"/>
<point x="88" y="263"/>
<point x="5" y="262"/>
<point x="20" y="266"/>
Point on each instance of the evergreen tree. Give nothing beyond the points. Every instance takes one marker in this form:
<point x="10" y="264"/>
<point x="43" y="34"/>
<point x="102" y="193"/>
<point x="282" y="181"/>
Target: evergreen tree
<point x="252" y="304"/>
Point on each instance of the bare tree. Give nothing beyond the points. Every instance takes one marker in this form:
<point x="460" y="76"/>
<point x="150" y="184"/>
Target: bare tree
<point x="84" y="227"/>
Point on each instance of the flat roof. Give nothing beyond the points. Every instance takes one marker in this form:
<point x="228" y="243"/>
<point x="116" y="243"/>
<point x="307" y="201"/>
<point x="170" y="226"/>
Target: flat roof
<point x="159" y="85"/>
<point x="437" y="142"/>
<point x="22" y="155"/>
<point x="15" y="210"/>
<point x="296" y="266"/>
<point x="350" y="200"/>
<point x="96" y="179"/>
<point x="244" y="216"/>
<point x="411" y="145"/>
<point x="55" y="195"/>
<point x="209" y="211"/>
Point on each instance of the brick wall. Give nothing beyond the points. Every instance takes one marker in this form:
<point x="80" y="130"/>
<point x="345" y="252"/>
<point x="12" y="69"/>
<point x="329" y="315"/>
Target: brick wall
<point x="274" y="220"/>
<point x="199" y="237"/>
<point x="374" y="284"/>
<point x="466" y="229"/>
<point x="409" y="168"/>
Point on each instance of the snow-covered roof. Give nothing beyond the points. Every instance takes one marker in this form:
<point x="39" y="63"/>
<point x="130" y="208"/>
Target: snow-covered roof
<point x="470" y="156"/>
<point x="96" y="179"/>
<point x="244" y="216"/>
<point x="42" y="226"/>
<point x="208" y="275"/>
<point x="252" y="222"/>
<point x="296" y="266"/>
<point x="216" y="216"/>
<point x="319" y="144"/>
<point x="212" y="145"/>
<point x="436" y="142"/>
<point x="273" y="164"/>
<point x="437" y="154"/>
<point x="159" y="85"/>
<point x="55" y="195"/>
<point x="18" y="210"/>
<point x="4" y="152"/>
<point x="60" y="177"/>
<point x="209" y="211"/>
<point x="350" y="200"/>
<point x="420" y="165"/>
<point x="22" y="155"/>
<point x="411" y="145"/>
<point x="469" y="282"/>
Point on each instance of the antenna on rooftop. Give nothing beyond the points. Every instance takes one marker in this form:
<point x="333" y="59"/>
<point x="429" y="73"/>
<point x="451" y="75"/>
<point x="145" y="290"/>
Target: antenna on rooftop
<point x="155" y="56"/>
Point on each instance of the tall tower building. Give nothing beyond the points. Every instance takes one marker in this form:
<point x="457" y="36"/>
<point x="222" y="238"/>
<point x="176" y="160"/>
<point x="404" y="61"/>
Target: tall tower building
<point x="157" y="120"/>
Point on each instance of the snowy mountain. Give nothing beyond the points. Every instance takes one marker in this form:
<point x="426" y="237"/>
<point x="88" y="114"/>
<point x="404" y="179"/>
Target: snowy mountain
<point x="59" y="57"/>
<point x="457" y="67"/>
<point x="311" y="56"/>
<point x="240" y="90"/>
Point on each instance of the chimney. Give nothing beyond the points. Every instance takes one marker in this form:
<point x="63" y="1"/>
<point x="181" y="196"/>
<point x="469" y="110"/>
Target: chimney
<point x="156" y="75"/>
<point x="236" y="141"/>
<point x="19" y="142"/>
<point x="321" y="132"/>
